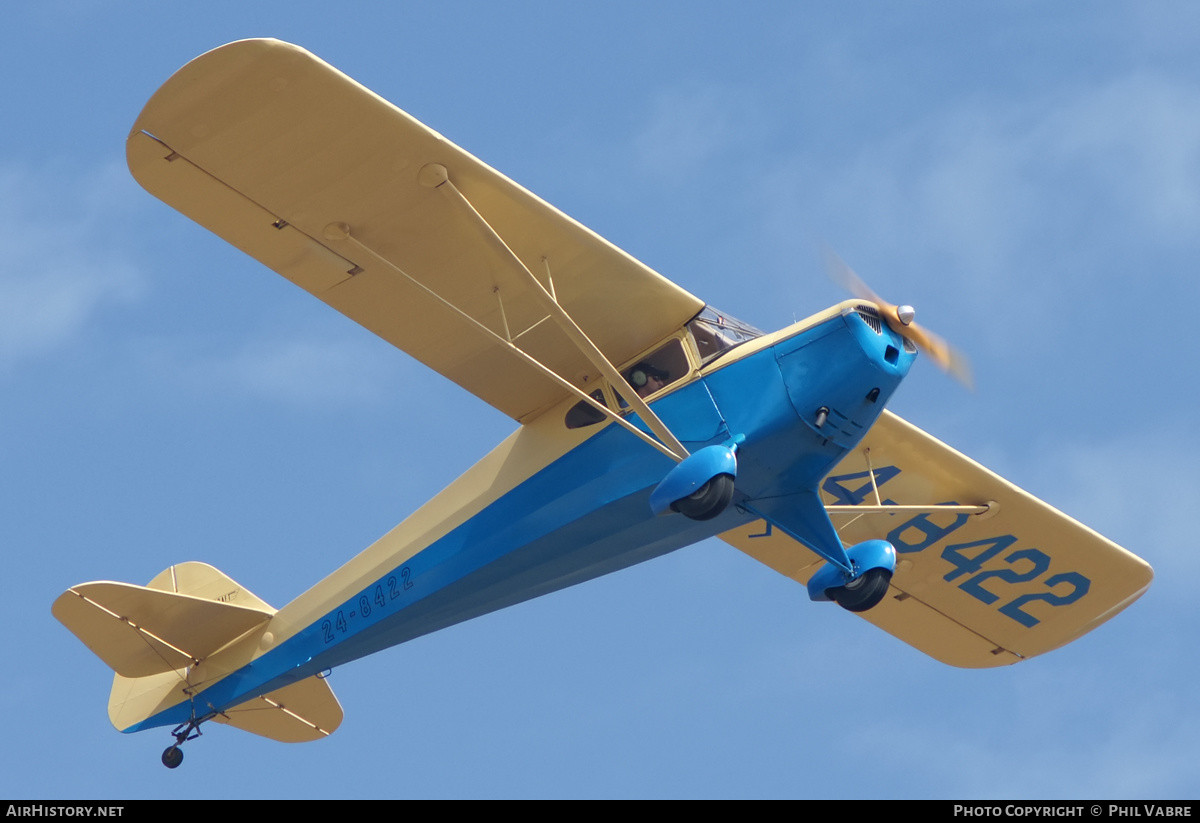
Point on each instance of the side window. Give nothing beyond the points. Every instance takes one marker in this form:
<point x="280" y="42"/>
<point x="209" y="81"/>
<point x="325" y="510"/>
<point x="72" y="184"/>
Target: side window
<point x="657" y="370"/>
<point x="584" y="414"/>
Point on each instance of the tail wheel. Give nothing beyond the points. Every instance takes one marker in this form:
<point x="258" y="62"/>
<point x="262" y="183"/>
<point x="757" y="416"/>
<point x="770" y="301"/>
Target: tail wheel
<point x="863" y="592"/>
<point x="708" y="501"/>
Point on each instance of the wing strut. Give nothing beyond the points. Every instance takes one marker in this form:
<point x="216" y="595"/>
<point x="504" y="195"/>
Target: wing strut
<point x="341" y="231"/>
<point x="436" y="176"/>
<point x="990" y="508"/>
<point x="932" y="508"/>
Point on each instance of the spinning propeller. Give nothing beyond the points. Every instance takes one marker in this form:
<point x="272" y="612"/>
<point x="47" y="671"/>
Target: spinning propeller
<point x="900" y="320"/>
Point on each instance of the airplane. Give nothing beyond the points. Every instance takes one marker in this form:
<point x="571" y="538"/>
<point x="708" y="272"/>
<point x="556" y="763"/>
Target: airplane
<point x="648" y="421"/>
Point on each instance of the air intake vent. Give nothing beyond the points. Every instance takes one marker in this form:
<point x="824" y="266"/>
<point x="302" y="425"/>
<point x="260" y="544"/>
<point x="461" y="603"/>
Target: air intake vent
<point x="870" y="316"/>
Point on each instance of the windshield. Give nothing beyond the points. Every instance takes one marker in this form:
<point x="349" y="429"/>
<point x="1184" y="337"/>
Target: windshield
<point x="716" y="333"/>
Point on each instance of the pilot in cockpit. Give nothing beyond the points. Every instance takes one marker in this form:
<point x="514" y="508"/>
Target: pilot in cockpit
<point x="646" y="379"/>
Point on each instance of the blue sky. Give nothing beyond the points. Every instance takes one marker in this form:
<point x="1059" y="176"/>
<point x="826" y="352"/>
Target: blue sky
<point x="1026" y="174"/>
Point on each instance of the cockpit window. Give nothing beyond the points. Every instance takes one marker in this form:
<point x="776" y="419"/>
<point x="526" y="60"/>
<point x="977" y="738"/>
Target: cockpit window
<point x="657" y="370"/>
<point x="716" y="333"/>
<point x="584" y="413"/>
<point x="654" y="372"/>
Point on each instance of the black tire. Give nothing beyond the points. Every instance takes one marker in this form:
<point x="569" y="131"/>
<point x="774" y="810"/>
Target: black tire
<point x="708" y="501"/>
<point x="864" y="592"/>
<point x="172" y="757"/>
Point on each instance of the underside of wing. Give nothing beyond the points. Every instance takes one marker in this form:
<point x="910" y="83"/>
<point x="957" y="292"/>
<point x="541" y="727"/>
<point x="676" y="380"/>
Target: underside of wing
<point x="338" y="190"/>
<point x="1014" y="580"/>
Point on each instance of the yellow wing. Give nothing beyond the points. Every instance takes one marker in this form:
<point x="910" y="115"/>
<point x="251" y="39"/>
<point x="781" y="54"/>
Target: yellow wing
<point x="338" y="190"/>
<point x="971" y="590"/>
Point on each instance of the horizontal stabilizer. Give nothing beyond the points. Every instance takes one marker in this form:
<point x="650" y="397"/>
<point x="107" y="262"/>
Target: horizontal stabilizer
<point x="970" y="589"/>
<point x="298" y="713"/>
<point x="140" y="631"/>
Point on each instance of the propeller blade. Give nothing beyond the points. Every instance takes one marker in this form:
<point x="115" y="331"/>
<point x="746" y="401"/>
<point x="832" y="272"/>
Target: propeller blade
<point x="948" y="358"/>
<point x="844" y="276"/>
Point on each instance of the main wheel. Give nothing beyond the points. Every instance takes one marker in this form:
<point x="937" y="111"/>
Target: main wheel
<point x="864" y="592"/>
<point x="707" y="501"/>
<point x="172" y="757"/>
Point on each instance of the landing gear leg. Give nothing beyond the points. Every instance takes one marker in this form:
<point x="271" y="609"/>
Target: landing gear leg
<point x="172" y="756"/>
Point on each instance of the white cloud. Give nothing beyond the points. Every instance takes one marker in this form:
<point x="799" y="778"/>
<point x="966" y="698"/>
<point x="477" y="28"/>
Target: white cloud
<point x="689" y="127"/>
<point x="1006" y="190"/>
<point x="57" y="271"/>
<point x="318" y="370"/>
<point x="329" y="372"/>
<point x="1141" y="136"/>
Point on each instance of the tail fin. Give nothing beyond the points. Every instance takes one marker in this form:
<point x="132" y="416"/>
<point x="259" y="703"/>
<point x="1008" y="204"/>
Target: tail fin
<point x="151" y="635"/>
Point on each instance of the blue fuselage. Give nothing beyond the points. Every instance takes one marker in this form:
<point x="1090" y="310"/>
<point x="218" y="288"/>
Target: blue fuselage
<point x="587" y="513"/>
